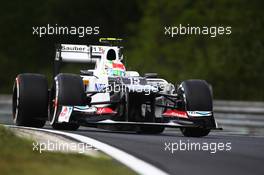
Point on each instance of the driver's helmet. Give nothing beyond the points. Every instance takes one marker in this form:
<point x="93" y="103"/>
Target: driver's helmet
<point x="113" y="66"/>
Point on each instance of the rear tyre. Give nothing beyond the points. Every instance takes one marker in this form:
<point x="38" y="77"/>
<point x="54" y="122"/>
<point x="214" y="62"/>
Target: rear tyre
<point x="30" y="100"/>
<point x="68" y="90"/>
<point x="197" y="97"/>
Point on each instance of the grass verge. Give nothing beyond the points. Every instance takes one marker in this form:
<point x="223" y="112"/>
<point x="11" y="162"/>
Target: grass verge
<point x="17" y="157"/>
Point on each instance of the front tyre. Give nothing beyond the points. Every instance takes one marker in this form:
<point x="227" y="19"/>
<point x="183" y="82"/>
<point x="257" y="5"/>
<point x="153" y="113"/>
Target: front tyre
<point x="68" y="90"/>
<point x="195" y="132"/>
<point x="197" y="96"/>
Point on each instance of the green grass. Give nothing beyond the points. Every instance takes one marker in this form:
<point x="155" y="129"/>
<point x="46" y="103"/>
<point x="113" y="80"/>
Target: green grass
<point x="17" y="157"/>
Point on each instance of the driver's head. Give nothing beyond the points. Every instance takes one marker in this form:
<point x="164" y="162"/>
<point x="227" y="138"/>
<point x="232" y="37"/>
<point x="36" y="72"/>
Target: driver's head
<point x="111" y="55"/>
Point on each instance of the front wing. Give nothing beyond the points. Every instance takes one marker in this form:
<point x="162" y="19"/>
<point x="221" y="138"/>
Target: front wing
<point x="91" y="116"/>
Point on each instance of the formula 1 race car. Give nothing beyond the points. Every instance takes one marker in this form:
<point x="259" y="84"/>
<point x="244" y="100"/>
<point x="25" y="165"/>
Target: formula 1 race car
<point x="109" y="96"/>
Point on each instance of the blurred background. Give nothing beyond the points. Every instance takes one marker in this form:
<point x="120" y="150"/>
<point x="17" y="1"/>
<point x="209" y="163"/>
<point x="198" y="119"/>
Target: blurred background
<point x="233" y="64"/>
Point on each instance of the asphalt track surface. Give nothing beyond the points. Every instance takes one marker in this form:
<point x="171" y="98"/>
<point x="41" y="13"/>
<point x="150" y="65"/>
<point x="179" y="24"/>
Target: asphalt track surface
<point x="245" y="157"/>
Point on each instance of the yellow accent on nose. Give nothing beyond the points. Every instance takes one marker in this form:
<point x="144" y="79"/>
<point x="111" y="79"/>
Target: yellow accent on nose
<point x="86" y="82"/>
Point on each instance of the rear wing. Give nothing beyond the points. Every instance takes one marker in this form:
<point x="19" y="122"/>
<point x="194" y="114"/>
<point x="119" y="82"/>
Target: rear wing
<point x="80" y="54"/>
<point x="77" y="53"/>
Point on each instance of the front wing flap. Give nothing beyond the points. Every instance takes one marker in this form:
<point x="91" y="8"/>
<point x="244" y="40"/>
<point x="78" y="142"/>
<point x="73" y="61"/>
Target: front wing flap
<point x="170" y="124"/>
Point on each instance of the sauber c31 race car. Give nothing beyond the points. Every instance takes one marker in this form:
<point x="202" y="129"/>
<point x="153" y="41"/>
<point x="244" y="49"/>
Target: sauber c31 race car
<point x="110" y="97"/>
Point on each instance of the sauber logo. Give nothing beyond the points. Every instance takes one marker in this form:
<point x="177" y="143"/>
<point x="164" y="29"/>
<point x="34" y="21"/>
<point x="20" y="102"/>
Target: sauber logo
<point x="74" y="48"/>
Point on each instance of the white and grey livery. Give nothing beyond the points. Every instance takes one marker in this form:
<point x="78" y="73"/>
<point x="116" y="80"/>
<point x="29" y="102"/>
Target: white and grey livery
<point x="109" y="96"/>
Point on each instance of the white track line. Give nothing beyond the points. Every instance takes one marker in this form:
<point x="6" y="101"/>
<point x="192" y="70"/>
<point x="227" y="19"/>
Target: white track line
<point x="129" y="160"/>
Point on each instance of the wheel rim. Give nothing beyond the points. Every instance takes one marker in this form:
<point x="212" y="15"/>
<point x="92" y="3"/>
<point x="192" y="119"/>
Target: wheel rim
<point x="53" y="103"/>
<point x="15" y="100"/>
